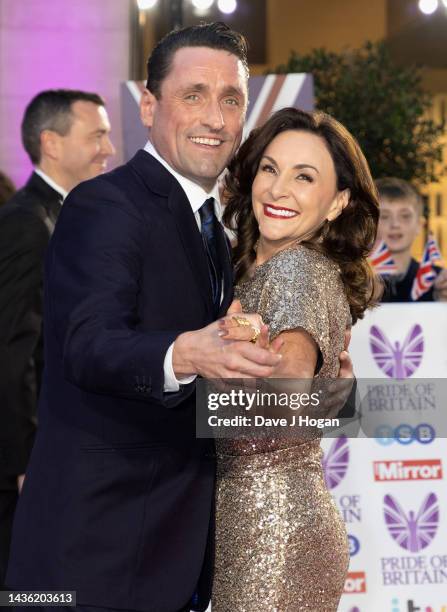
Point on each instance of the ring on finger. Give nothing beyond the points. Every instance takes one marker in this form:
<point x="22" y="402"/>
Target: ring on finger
<point x="241" y="321"/>
<point x="256" y="334"/>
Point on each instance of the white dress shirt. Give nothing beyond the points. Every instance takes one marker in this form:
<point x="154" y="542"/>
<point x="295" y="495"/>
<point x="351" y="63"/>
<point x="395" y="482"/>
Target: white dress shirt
<point x="49" y="181"/>
<point x="196" y="196"/>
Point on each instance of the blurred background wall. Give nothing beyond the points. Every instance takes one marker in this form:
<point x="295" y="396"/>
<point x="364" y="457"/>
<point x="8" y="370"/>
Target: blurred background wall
<point x="78" y="44"/>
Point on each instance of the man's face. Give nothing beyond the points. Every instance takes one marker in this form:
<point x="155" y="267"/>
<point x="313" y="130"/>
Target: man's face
<point x="196" y="125"/>
<point x="83" y="152"/>
<point x="399" y="224"/>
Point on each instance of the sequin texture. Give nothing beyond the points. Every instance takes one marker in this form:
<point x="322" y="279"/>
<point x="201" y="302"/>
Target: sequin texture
<point x="281" y="545"/>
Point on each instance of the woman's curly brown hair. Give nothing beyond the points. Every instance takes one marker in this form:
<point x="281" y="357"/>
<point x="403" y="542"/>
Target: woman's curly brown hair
<point x="348" y="239"/>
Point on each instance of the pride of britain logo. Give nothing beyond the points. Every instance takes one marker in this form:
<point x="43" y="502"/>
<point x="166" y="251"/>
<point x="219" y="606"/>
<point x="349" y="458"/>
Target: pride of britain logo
<point x="412" y="530"/>
<point x="335" y="462"/>
<point x="397" y="360"/>
<point x="335" y="465"/>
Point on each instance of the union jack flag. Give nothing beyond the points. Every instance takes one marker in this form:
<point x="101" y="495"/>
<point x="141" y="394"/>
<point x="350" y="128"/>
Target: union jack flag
<point x="381" y="259"/>
<point x="425" y="276"/>
<point x="433" y="250"/>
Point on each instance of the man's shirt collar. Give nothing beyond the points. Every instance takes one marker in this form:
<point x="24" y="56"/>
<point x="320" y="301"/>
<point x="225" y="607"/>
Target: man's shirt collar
<point x="49" y="181"/>
<point x="195" y="193"/>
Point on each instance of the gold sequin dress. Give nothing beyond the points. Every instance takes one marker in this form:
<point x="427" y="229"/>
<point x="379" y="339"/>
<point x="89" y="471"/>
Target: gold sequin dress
<point x="281" y="544"/>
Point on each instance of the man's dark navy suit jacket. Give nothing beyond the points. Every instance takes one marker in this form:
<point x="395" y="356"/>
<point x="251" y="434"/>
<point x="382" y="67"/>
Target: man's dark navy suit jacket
<point x="118" y="495"/>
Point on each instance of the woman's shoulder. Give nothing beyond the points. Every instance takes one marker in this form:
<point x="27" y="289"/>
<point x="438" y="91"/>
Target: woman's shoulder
<point x="301" y="261"/>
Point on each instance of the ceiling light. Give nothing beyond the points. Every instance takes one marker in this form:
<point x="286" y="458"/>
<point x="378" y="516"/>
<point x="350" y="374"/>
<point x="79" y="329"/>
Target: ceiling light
<point x="227" y="6"/>
<point x="146" y="4"/>
<point x="428" y="6"/>
<point x="202" y="5"/>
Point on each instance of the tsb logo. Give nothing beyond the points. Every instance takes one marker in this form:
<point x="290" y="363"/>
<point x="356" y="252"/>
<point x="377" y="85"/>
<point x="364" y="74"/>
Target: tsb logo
<point x="355" y="583"/>
<point x="408" y="469"/>
<point x="354" y="545"/>
<point x="404" y="434"/>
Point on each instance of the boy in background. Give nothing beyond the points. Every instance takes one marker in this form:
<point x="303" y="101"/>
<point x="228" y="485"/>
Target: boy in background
<point x="400" y="222"/>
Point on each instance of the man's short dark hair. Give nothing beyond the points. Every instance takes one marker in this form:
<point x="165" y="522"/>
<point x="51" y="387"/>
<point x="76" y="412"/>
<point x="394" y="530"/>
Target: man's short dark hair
<point x="51" y="110"/>
<point x="391" y="188"/>
<point x="213" y="35"/>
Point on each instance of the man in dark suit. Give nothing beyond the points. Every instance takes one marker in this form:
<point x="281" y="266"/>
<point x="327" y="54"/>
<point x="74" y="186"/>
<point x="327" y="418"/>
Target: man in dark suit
<point x="66" y="135"/>
<point x="117" y="503"/>
<point x="7" y="188"/>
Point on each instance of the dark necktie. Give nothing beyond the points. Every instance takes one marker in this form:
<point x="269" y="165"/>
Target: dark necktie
<point x="209" y="234"/>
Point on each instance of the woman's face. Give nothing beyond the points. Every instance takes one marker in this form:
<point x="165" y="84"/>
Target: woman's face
<point x="295" y="189"/>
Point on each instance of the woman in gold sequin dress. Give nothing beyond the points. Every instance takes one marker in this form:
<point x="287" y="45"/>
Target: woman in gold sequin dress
<point x="304" y="208"/>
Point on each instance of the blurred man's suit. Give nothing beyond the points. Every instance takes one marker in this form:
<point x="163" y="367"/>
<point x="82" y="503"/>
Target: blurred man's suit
<point x="26" y="223"/>
<point x="118" y="496"/>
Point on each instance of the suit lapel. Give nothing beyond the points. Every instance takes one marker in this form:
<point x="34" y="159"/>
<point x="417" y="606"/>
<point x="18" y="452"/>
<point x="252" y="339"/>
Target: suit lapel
<point x="47" y="197"/>
<point x="191" y="240"/>
<point x="158" y="180"/>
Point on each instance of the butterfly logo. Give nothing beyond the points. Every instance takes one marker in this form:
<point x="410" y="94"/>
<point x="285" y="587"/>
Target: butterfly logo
<point x="335" y="462"/>
<point x="412" y="531"/>
<point x="397" y="361"/>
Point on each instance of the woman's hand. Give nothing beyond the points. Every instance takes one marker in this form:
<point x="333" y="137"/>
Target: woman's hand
<point x="249" y="327"/>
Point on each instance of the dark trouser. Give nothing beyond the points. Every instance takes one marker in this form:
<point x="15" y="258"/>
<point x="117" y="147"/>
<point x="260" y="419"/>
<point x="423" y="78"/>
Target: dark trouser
<point x="8" y="501"/>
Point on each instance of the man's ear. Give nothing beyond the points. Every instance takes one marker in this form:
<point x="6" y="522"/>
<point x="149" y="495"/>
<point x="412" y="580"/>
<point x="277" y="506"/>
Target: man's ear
<point x="147" y="107"/>
<point x="50" y="143"/>
<point x="340" y="202"/>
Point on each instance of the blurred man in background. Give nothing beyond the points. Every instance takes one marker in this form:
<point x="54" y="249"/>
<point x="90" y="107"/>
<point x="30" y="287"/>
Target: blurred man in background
<point x="400" y="223"/>
<point x="66" y="135"/>
<point x="7" y="188"/>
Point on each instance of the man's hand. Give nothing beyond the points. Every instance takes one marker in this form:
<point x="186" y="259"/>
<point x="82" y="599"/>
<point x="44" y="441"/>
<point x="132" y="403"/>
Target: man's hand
<point x="206" y="353"/>
<point x="346" y="369"/>
<point x="440" y="287"/>
<point x="20" y="481"/>
<point x="339" y="390"/>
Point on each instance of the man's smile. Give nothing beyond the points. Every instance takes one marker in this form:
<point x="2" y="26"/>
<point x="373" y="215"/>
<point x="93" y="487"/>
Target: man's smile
<point x="209" y="142"/>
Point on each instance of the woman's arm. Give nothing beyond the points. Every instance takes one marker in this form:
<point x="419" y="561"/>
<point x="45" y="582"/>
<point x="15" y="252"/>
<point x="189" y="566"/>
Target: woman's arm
<point x="299" y="350"/>
<point x="299" y="355"/>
